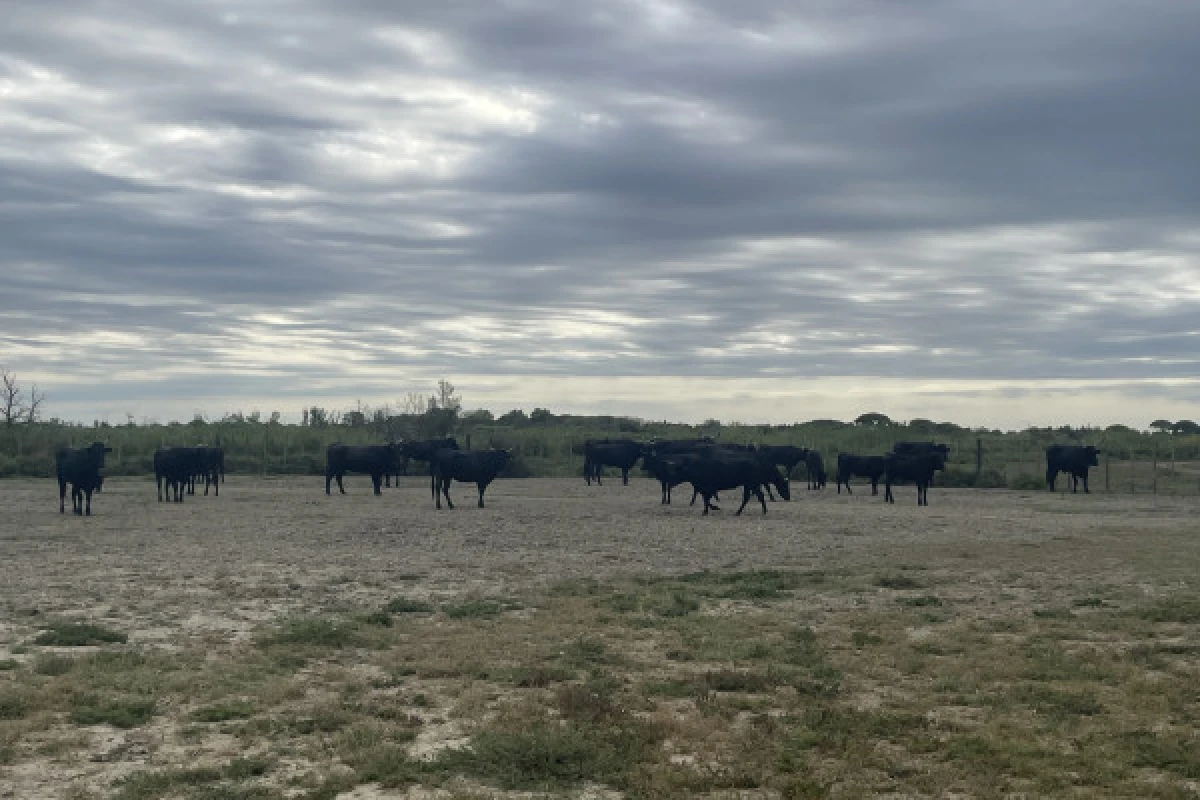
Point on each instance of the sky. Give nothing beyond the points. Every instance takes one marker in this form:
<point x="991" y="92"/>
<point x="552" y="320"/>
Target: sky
<point x="758" y="211"/>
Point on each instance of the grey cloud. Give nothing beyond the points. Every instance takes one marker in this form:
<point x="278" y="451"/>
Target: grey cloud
<point x="369" y="190"/>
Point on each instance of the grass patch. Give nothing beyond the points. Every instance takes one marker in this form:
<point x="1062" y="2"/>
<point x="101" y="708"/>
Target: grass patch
<point x="53" y="664"/>
<point x="481" y="609"/>
<point x="120" y="713"/>
<point x="197" y="782"/>
<point x="548" y="756"/>
<point x="1183" y="609"/>
<point x="15" y="704"/>
<point x="78" y="634"/>
<point x="763" y="584"/>
<point x="406" y="605"/>
<point x="1174" y="752"/>
<point x="316" y="632"/>
<point x="223" y="712"/>
<point x="7" y="664"/>
<point x="897" y="582"/>
<point x="920" y="601"/>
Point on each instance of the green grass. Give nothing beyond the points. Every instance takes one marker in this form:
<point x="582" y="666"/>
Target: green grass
<point x="315" y="632"/>
<point x="406" y="605"/>
<point x="7" y="664"/>
<point x="78" y="634"/>
<point x="53" y="664"/>
<point x="223" y="712"/>
<point x="897" y="582"/>
<point x="480" y="609"/>
<point x="118" y="712"/>
<point x="1182" y="609"/>
<point x="198" y="782"/>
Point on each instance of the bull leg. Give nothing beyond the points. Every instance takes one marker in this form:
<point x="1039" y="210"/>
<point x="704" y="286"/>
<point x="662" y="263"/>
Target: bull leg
<point x="707" y="505"/>
<point x="875" y="487"/>
<point x="770" y="494"/>
<point x="482" y="487"/>
<point x="435" y="487"/>
<point x="446" y="491"/>
<point x="88" y="493"/>
<point x="62" y="496"/>
<point x="758" y="492"/>
<point x="746" y="498"/>
<point x="216" y="486"/>
<point x="887" y="492"/>
<point x="1051" y="477"/>
<point x="377" y="483"/>
<point x="695" y="492"/>
<point x="328" y="479"/>
<point x="1085" y="486"/>
<point x="624" y="476"/>
<point x="341" y="488"/>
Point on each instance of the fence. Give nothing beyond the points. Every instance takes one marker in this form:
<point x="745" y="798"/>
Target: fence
<point x="1132" y="462"/>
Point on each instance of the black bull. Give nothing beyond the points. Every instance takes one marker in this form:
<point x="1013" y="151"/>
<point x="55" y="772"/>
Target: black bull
<point x="620" y="453"/>
<point x="1073" y="460"/>
<point x="80" y="468"/>
<point x="710" y="474"/>
<point x="479" y="468"/>
<point x="375" y="460"/>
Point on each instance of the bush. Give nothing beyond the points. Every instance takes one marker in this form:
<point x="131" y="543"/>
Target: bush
<point x="1026" y="482"/>
<point x="517" y="468"/>
<point x="36" y="466"/>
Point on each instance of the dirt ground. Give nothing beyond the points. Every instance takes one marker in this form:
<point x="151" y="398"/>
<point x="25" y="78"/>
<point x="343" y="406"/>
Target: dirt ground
<point x="221" y="568"/>
<point x="271" y="547"/>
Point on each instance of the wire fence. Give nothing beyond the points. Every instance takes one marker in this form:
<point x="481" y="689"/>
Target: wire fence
<point x="1132" y="462"/>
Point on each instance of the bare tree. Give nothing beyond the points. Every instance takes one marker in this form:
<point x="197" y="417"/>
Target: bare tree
<point x="412" y="403"/>
<point x="446" y="397"/>
<point x="11" y="398"/>
<point x="33" y="409"/>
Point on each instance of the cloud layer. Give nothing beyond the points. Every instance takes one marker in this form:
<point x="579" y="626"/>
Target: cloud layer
<point x="257" y="204"/>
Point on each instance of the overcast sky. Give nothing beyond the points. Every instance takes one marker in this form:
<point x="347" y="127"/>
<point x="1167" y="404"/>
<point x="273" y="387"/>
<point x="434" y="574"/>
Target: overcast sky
<point x="960" y="209"/>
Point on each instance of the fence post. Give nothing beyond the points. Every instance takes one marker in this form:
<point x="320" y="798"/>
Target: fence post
<point x="1107" y="460"/>
<point x="1154" y="474"/>
<point x="978" y="458"/>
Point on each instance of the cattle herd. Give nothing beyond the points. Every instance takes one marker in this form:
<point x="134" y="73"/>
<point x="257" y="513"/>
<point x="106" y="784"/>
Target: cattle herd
<point x="709" y="466"/>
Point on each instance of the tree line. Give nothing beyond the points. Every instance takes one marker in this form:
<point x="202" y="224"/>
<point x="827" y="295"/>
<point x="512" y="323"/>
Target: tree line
<point x="550" y="444"/>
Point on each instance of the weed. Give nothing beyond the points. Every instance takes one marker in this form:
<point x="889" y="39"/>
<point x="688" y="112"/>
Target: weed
<point x="1184" y="609"/>
<point x="480" y="609"/>
<point x="78" y="634"/>
<point x="316" y="632"/>
<point x="224" y="712"/>
<point x="921" y="601"/>
<point x="14" y="704"/>
<point x="897" y="582"/>
<point x="405" y="605"/>
<point x="53" y="664"/>
<point x="120" y="713"/>
<point x="380" y="619"/>
<point x="8" y="664"/>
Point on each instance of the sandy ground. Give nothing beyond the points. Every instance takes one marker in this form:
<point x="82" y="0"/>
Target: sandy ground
<point x="267" y="548"/>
